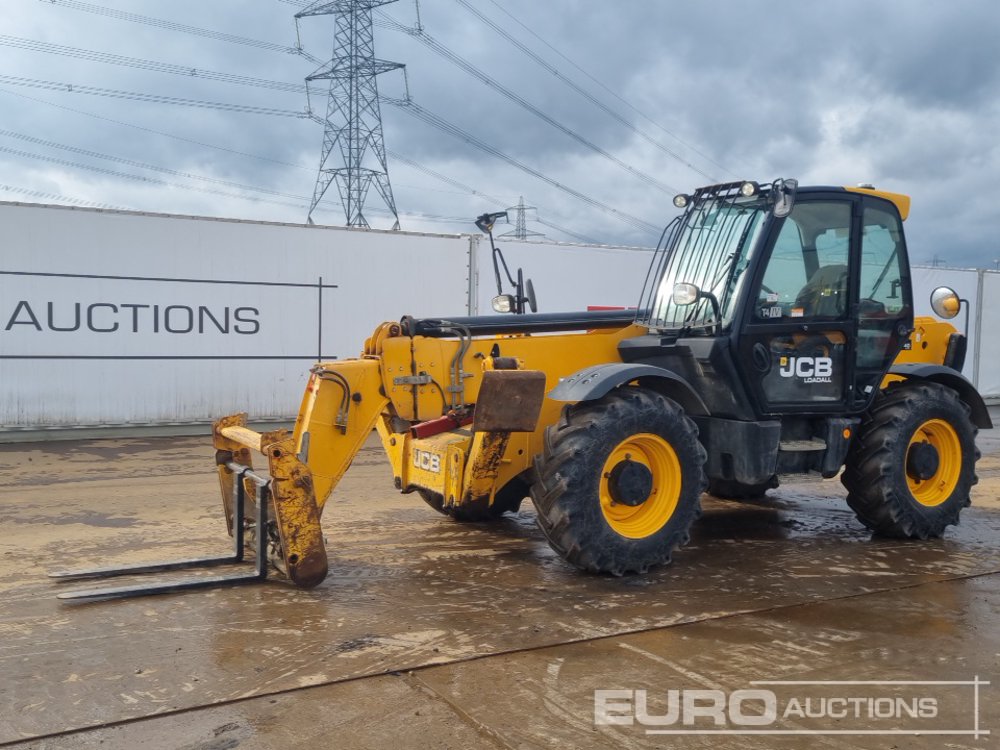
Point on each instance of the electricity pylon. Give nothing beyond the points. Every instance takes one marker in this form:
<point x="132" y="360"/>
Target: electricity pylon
<point x="520" y="231"/>
<point x="353" y="153"/>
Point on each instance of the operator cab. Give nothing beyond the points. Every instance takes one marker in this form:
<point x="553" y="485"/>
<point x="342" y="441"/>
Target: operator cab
<point x="798" y="298"/>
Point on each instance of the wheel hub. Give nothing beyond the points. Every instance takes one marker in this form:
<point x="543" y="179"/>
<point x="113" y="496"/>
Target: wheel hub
<point x="630" y="483"/>
<point x="922" y="461"/>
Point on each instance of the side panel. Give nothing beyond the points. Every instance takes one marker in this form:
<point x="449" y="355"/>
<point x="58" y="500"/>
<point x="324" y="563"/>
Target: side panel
<point x="556" y="355"/>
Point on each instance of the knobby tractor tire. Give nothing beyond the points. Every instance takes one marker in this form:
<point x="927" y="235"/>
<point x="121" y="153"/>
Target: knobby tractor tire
<point x="619" y="481"/>
<point x="911" y="466"/>
<point x="508" y="499"/>
<point x="729" y="489"/>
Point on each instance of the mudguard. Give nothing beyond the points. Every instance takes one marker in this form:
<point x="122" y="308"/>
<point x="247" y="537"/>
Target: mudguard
<point x="592" y="383"/>
<point x="953" y="379"/>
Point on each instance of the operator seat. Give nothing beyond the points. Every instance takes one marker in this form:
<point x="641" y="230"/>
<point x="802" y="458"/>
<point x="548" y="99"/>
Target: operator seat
<point x="825" y="294"/>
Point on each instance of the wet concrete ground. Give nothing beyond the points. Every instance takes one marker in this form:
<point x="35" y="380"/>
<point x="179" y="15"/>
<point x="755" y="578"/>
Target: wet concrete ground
<point x="429" y="633"/>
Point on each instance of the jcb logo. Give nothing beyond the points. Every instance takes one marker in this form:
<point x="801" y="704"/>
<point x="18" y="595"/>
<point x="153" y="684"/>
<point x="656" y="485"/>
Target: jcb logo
<point x="812" y="369"/>
<point x="427" y="461"/>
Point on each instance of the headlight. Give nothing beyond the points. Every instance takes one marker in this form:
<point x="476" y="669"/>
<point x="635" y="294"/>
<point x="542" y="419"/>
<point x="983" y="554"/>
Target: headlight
<point x="681" y="201"/>
<point x="503" y="303"/>
<point x="749" y="189"/>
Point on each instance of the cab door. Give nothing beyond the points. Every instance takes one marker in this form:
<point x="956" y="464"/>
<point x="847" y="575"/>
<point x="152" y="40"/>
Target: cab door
<point x="797" y="347"/>
<point x="885" y="307"/>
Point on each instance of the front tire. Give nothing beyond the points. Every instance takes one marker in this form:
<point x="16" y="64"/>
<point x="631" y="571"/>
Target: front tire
<point x="911" y="467"/>
<point x="618" y="484"/>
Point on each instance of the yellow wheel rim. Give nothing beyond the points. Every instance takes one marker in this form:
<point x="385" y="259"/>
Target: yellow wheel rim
<point x="937" y="488"/>
<point x="652" y="513"/>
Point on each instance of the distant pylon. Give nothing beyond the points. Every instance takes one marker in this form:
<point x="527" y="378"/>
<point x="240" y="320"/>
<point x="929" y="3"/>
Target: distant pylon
<point x="353" y="124"/>
<point x="520" y="226"/>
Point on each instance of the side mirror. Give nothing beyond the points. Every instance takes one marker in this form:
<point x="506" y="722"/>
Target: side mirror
<point x="784" y="197"/>
<point x="945" y="302"/>
<point x="686" y="294"/>
<point x="524" y="292"/>
<point x="529" y="296"/>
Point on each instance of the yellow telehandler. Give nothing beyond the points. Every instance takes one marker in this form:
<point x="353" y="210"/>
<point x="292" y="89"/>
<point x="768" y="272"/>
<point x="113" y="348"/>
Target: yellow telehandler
<point x="774" y="335"/>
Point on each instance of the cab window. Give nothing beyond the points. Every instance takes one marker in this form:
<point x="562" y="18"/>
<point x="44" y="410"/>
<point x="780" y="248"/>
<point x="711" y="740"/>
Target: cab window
<point x="882" y="291"/>
<point x="884" y="297"/>
<point x="806" y="276"/>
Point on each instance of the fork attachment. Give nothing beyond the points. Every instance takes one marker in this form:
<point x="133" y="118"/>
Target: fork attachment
<point x="242" y="478"/>
<point x="285" y="530"/>
<point x="298" y="539"/>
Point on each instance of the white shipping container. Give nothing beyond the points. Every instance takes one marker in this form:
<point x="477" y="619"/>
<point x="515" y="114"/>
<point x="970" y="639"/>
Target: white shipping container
<point x="566" y="277"/>
<point x="124" y="318"/>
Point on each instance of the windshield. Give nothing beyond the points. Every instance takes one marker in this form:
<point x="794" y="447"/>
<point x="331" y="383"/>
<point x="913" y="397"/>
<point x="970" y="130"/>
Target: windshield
<point x="709" y="246"/>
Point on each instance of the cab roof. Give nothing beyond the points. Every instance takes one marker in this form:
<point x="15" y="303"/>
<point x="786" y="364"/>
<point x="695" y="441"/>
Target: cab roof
<point x="901" y="201"/>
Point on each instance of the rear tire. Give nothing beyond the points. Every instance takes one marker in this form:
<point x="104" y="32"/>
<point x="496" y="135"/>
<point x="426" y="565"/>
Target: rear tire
<point x="619" y="482"/>
<point x="911" y="467"/>
<point x="508" y="499"/>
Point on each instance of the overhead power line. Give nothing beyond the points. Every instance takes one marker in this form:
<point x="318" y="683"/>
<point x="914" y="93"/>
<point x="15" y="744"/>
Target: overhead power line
<point x="61" y="198"/>
<point x="585" y="239"/>
<point x="144" y="129"/>
<point x="418" y="112"/>
<point x="427" y="40"/>
<point x="134" y="177"/>
<point x="73" y="88"/>
<point x="608" y="89"/>
<point x="494" y="200"/>
<point x="497" y="202"/>
<point x="579" y="89"/>
<point x="300" y="201"/>
<point x="304" y="200"/>
<point x="141" y="165"/>
<point x="438" y="176"/>
<point x="210" y="34"/>
<point x="142" y="64"/>
<point x="220" y="36"/>
<point x="413" y="109"/>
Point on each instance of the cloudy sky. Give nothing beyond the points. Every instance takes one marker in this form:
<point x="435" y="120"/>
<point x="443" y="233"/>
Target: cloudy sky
<point x="610" y="108"/>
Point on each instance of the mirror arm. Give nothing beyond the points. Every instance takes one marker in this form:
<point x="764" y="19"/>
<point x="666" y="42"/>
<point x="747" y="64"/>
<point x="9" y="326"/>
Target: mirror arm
<point x="503" y="261"/>
<point x="716" y="308"/>
<point x="496" y="264"/>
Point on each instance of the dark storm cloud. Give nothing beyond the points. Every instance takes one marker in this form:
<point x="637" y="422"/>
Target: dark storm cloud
<point x="899" y="93"/>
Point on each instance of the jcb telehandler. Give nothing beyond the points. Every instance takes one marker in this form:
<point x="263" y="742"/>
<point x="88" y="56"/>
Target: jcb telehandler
<point x="774" y="335"/>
